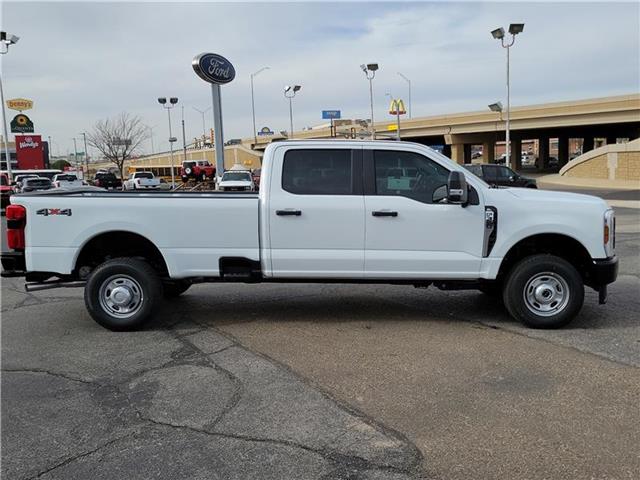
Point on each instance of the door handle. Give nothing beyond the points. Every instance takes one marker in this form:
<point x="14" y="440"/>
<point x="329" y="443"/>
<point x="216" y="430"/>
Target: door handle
<point x="384" y="213"/>
<point x="283" y="213"/>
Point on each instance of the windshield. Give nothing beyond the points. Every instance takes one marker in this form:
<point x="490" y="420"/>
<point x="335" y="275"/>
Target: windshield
<point x="241" y="176"/>
<point x="68" y="178"/>
<point x="144" y="175"/>
<point x="39" y="182"/>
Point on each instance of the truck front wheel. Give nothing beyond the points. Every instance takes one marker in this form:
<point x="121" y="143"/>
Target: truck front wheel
<point x="544" y="291"/>
<point x="121" y="294"/>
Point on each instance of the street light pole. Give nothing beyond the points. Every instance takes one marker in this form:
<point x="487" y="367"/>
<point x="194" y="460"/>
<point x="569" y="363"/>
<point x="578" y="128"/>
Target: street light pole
<point x="86" y="153"/>
<point x="499" y="34"/>
<point x="75" y="153"/>
<point x="6" y="39"/>
<point x="184" y="138"/>
<point x="172" y="102"/>
<point x="253" y="105"/>
<point x="369" y="70"/>
<point x="290" y="92"/>
<point x="408" y="82"/>
<point x="204" y="129"/>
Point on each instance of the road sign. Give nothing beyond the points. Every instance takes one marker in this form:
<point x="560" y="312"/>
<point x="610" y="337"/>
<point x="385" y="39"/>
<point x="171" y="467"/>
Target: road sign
<point x="265" y="131"/>
<point x="330" y="114"/>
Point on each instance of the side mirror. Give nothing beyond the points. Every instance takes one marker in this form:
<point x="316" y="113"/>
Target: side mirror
<point x="457" y="191"/>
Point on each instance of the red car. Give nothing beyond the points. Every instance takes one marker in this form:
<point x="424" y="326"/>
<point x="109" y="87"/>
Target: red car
<point x="5" y="189"/>
<point x="201" y="170"/>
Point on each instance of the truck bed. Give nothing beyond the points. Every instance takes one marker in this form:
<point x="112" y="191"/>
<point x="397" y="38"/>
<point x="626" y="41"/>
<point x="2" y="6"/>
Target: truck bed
<point x="192" y="230"/>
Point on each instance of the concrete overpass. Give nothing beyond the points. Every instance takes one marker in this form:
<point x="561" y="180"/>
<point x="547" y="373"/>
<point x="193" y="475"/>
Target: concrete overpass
<point x="608" y="118"/>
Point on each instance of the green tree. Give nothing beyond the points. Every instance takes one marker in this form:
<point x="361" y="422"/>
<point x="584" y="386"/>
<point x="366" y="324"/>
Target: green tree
<point x="60" y="164"/>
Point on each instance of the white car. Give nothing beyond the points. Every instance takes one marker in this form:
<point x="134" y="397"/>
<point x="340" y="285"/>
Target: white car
<point x="67" y="180"/>
<point x="327" y="211"/>
<point x="141" y="181"/>
<point x="236" y="180"/>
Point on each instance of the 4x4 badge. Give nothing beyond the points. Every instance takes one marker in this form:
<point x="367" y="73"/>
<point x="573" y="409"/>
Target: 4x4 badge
<point x="54" y="211"/>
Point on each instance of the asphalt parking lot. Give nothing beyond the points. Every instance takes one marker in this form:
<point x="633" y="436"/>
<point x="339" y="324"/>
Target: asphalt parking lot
<point x="325" y="381"/>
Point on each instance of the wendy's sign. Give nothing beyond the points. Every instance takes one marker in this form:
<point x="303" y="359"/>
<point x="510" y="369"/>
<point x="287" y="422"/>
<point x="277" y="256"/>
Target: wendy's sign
<point x="213" y="68"/>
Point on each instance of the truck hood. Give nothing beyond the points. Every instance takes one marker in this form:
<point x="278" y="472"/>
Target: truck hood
<point x="535" y="195"/>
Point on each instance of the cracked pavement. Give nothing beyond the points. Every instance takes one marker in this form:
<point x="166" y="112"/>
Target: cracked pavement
<point x="178" y="400"/>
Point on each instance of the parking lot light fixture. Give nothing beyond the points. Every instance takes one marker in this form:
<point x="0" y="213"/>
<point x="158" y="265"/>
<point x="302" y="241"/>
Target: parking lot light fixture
<point x="6" y="40"/>
<point x="499" y="34"/>
<point x="172" y="103"/>
<point x="369" y="70"/>
<point x="290" y="92"/>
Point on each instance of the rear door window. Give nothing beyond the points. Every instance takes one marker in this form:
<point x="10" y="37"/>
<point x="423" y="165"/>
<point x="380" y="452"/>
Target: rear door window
<point x="318" y="172"/>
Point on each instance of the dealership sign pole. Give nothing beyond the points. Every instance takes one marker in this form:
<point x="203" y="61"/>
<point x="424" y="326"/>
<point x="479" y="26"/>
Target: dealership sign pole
<point x="216" y="70"/>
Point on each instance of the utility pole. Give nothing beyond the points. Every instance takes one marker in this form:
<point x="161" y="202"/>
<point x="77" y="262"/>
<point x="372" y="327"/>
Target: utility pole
<point x="75" y="153"/>
<point x="86" y="153"/>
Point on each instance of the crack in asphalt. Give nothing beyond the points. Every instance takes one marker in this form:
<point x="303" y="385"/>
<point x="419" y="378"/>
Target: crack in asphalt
<point x="53" y="374"/>
<point x="81" y="455"/>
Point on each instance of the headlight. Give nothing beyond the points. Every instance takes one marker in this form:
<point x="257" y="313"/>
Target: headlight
<point x="609" y="232"/>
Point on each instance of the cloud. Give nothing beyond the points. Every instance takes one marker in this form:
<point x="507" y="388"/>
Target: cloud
<point x="81" y="62"/>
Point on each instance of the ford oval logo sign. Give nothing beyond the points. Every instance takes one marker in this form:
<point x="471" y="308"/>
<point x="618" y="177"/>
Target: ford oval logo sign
<point x="213" y="68"/>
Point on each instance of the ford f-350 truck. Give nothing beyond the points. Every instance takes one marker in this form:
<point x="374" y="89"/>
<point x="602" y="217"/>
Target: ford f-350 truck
<point x="327" y="211"/>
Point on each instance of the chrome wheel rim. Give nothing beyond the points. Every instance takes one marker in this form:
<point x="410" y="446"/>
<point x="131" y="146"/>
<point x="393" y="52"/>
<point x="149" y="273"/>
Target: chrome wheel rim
<point x="121" y="296"/>
<point x="546" y="294"/>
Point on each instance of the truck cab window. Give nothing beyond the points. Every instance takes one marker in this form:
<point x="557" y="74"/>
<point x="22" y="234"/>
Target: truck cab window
<point x="408" y="174"/>
<point x="317" y="172"/>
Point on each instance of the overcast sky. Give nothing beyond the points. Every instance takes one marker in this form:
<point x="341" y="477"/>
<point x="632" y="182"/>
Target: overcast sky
<point x="81" y="62"/>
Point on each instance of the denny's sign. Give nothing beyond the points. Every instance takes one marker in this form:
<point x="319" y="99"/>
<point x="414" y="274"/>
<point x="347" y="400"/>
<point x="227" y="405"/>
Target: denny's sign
<point x="19" y="104"/>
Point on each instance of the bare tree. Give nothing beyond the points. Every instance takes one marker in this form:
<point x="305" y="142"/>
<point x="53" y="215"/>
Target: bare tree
<point x="118" y="138"/>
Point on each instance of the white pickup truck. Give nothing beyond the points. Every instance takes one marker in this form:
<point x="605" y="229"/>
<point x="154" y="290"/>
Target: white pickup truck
<point x="327" y="211"/>
<point x="141" y="181"/>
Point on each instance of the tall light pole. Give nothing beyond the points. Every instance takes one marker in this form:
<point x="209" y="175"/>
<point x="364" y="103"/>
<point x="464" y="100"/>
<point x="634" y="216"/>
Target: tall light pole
<point x="253" y="105"/>
<point x="151" y="137"/>
<point x="184" y="137"/>
<point x="204" y="129"/>
<point x="6" y="40"/>
<point x="172" y="103"/>
<point x="86" y="152"/>
<point x="75" y="153"/>
<point x="499" y="34"/>
<point x="409" y="83"/>
<point x="290" y="92"/>
<point x="369" y="70"/>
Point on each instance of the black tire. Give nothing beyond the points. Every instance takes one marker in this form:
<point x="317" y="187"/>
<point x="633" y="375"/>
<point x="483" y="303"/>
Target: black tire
<point x="203" y="177"/>
<point x="175" y="289"/>
<point x="138" y="279"/>
<point x="185" y="179"/>
<point x="559" y="289"/>
<point x="532" y="185"/>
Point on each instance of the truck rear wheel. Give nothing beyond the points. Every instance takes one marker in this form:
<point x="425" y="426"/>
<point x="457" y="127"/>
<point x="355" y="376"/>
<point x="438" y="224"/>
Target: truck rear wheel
<point x="544" y="291"/>
<point x="121" y="294"/>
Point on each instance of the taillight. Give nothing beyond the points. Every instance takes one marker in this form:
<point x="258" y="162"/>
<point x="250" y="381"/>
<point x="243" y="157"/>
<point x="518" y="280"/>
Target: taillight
<point x="16" y="221"/>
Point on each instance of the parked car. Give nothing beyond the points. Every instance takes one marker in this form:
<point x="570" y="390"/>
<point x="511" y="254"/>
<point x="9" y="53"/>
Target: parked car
<point x="199" y="169"/>
<point x="19" y="179"/>
<point x="236" y="180"/>
<point x="142" y="181"/>
<point x="436" y="224"/>
<point x="67" y="180"/>
<point x="476" y="154"/>
<point x="33" y="184"/>
<point x="500" y="175"/>
<point x="5" y="190"/>
<point x="107" y="180"/>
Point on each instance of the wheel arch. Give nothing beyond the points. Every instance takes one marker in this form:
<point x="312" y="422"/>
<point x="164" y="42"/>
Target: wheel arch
<point x="558" y="244"/>
<point x="118" y="243"/>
